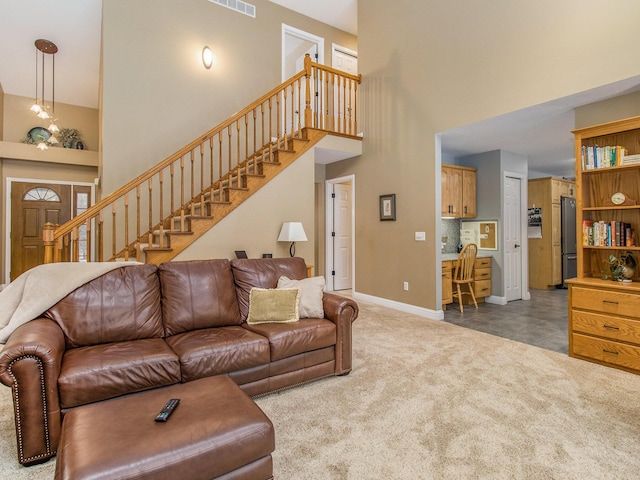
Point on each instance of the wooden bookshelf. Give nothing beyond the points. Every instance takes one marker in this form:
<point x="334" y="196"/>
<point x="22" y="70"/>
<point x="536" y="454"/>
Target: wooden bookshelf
<point x="604" y="315"/>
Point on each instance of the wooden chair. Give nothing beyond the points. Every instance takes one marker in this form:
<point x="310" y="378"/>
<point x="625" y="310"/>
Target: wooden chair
<point x="463" y="274"/>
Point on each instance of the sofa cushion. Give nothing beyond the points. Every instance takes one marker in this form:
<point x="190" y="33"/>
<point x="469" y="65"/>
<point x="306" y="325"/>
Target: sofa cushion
<point x="263" y="273"/>
<point x="287" y="339"/>
<point x="198" y="294"/>
<point x="269" y="305"/>
<point x="99" y="372"/>
<point x="123" y="304"/>
<point x="220" y="350"/>
<point x="311" y="292"/>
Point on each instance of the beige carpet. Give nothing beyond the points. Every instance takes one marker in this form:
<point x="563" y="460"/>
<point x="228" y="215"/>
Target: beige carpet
<point x="430" y="400"/>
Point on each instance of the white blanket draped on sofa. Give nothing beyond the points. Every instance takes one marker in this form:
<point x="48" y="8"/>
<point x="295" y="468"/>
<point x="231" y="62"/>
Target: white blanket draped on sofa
<point x="41" y="287"/>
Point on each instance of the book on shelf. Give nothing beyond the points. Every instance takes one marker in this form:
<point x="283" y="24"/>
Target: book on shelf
<point x="607" y="234"/>
<point x="603" y="157"/>
<point x="631" y="159"/>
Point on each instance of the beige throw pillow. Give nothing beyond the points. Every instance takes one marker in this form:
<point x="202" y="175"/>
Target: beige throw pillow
<point x="270" y="305"/>
<point x="311" y="291"/>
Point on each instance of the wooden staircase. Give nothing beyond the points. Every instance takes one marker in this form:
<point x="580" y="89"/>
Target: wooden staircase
<point x="160" y="213"/>
<point x="210" y="211"/>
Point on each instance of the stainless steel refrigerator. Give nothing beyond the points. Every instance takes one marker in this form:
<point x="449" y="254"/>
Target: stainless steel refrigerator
<point x="568" y="239"/>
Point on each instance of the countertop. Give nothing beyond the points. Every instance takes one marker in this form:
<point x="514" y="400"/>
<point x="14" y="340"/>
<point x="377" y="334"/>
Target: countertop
<point x="446" y="257"/>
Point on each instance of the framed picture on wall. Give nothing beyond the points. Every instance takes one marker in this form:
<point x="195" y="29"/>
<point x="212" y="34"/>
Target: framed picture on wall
<point x="388" y="207"/>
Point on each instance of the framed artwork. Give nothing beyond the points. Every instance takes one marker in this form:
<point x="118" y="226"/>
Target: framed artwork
<point x="388" y="207"/>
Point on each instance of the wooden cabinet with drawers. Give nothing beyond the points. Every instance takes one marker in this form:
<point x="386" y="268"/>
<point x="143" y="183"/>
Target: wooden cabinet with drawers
<point x="604" y="323"/>
<point x="481" y="284"/>
<point x="604" y="315"/>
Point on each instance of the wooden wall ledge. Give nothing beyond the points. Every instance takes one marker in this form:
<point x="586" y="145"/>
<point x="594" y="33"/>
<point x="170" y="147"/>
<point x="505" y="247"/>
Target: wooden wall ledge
<point x="68" y="156"/>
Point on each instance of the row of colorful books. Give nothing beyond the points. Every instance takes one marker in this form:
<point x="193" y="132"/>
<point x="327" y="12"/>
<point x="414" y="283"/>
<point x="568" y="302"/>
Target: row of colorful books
<point x="602" y="157"/>
<point x="607" y="234"/>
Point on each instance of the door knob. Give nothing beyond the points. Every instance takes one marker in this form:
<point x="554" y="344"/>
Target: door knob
<point x="517" y="246"/>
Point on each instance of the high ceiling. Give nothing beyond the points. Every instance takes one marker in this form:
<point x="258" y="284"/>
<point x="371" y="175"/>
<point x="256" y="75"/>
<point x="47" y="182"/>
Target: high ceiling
<point x="541" y="133"/>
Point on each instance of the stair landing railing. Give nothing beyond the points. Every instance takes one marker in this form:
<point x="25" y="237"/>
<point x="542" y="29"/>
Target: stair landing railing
<point x="162" y="199"/>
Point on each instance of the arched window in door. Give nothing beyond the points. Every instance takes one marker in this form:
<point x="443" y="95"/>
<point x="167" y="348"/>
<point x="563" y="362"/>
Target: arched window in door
<point x="39" y="194"/>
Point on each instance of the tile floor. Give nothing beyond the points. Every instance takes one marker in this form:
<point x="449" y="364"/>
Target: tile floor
<point x="541" y="321"/>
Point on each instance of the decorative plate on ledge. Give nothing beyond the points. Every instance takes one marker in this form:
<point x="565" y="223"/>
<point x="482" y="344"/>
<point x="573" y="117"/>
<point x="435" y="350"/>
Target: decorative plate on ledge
<point x="39" y="134"/>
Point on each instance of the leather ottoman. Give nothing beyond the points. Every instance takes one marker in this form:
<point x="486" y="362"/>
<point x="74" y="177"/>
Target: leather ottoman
<point x="216" y="431"/>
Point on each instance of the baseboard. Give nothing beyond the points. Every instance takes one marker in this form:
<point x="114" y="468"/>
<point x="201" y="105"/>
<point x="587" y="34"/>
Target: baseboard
<point x="403" y="307"/>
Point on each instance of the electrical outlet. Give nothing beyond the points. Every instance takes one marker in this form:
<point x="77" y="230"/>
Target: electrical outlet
<point x="406" y="285"/>
<point x="420" y="236"/>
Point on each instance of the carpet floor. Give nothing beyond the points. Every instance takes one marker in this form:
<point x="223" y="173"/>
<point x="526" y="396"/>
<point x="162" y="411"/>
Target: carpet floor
<point x="431" y="400"/>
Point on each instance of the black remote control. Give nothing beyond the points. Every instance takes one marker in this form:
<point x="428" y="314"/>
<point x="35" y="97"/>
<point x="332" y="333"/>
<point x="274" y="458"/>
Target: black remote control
<point x="163" y="416"/>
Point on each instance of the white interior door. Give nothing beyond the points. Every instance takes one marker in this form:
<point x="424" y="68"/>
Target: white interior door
<point x="340" y="222"/>
<point x="512" y="239"/>
<point x="344" y="59"/>
<point x="342" y="238"/>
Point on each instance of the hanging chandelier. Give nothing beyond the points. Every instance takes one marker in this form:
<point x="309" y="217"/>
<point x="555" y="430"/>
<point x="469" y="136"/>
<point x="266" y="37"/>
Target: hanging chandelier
<point x="39" y="107"/>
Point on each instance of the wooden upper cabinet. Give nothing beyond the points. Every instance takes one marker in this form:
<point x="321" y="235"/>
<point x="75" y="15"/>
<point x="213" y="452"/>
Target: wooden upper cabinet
<point x="458" y="192"/>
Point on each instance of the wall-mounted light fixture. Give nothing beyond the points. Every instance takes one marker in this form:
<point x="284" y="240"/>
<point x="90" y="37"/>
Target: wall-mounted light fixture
<point x="207" y="57"/>
<point x="292" y="232"/>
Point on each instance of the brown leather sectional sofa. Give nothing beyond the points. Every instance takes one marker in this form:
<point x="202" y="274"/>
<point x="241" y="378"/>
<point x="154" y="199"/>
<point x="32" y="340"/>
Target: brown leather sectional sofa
<point x="142" y="327"/>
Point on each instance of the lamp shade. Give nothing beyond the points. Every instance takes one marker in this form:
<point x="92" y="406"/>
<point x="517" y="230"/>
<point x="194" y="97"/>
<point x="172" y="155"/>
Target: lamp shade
<point x="292" y="232"/>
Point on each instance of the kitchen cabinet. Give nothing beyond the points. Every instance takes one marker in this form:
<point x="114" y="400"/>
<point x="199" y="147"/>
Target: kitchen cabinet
<point x="545" y="254"/>
<point x="458" y="188"/>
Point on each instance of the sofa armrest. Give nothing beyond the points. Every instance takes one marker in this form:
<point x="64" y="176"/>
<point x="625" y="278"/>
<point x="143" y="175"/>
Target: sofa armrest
<point x="342" y="311"/>
<point x="30" y="364"/>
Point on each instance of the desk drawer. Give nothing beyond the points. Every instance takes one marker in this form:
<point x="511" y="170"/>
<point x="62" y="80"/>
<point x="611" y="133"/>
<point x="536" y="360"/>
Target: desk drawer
<point x="608" y="326"/>
<point x="483" y="262"/>
<point x="482" y="274"/>
<point x="607" y="351"/>
<point x="605" y="301"/>
<point x="482" y="288"/>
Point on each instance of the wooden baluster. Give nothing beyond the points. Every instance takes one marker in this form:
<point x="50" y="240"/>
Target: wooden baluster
<point x="113" y="230"/>
<point x="344" y="105"/>
<point x="278" y="121"/>
<point x="66" y="248"/>
<point x="355" y="108"/>
<point x="284" y="112"/>
<point x="201" y="180"/>
<point x="299" y="107"/>
<point x="126" y="226"/>
<point x="262" y="123"/>
<point x="255" y="145"/>
<point x="193" y="179"/>
<point x="150" y="190"/>
<point x="293" y="110"/>
<point x="57" y="249"/>
<point x="182" y="194"/>
<point x="161" y="206"/>
<point x="238" y="161"/>
<point x="308" y="119"/>
<point x="89" y="253"/>
<point x="270" y="120"/>
<point x="211" y="168"/>
<point x="138" y="218"/>
<point x="245" y="156"/>
<point x="220" y="166"/>
<point x="229" y="173"/>
<point x="100" y="237"/>
<point x="75" y="234"/>
<point x="172" y="202"/>
<point x="47" y="239"/>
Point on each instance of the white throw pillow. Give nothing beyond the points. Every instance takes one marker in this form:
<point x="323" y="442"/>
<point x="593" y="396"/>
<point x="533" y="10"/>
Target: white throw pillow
<point x="311" y="290"/>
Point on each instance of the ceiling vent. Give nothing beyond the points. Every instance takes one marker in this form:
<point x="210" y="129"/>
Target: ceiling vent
<point x="238" y="6"/>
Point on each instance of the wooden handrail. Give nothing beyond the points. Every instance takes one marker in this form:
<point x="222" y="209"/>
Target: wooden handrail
<point x="213" y="161"/>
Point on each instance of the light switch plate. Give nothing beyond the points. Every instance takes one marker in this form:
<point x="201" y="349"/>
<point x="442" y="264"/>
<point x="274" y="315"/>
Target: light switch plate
<point x="420" y="236"/>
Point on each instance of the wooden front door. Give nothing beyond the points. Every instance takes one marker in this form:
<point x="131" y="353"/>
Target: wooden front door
<point x="32" y="205"/>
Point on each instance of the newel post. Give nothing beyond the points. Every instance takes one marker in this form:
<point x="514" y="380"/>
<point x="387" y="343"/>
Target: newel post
<point x="47" y="238"/>
<point x="307" y="94"/>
